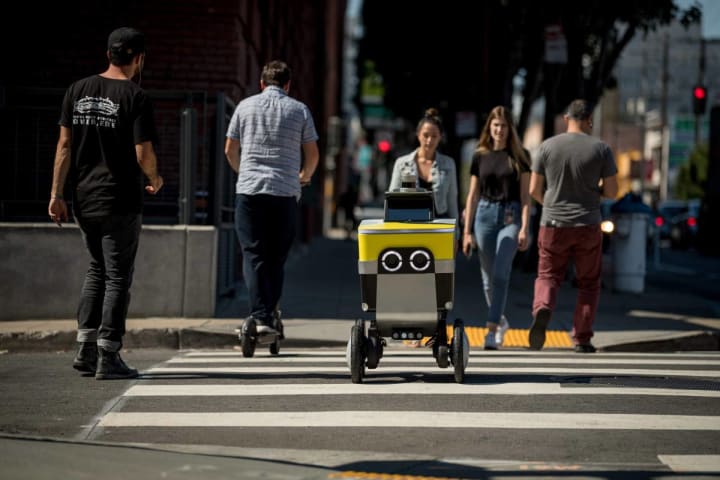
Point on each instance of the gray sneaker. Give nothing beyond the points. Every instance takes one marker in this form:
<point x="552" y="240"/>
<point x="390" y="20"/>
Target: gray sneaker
<point x="490" y="343"/>
<point x="263" y="329"/>
<point x="503" y="327"/>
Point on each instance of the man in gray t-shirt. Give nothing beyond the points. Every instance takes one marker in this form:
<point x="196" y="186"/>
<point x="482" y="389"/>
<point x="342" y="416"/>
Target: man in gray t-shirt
<point x="570" y="173"/>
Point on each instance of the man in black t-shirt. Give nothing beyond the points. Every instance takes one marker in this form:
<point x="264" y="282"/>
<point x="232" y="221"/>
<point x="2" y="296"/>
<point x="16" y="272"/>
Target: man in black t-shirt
<point x="105" y="150"/>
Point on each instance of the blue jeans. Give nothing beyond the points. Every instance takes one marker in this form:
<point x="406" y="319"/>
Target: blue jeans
<point x="265" y="227"/>
<point x="112" y="242"/>
<point x="497" y="240"/>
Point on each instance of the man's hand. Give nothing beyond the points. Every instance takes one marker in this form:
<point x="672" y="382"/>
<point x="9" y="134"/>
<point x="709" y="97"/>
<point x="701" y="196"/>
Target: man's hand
<point x="155" y="185"/>
<point x="58" y="211"/>
<point x="305" y="179"/>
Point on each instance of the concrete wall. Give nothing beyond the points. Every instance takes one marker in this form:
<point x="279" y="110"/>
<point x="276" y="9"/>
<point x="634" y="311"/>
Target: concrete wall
<point x="42" y="268"/>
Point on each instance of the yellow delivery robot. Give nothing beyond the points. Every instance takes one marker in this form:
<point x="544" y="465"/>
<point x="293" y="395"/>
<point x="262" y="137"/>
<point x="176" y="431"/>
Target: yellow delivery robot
<point x="406" y="263"/>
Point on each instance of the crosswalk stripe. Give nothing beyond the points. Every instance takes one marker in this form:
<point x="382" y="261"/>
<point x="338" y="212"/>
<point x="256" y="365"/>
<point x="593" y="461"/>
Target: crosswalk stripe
<point x="425" y="419"/>
<point x="398" y="369"/>
<point x="415" y="388"/>
<point x="597" y="360"/>
<point x="692" y="463"/>
<point x="424" y="352"/>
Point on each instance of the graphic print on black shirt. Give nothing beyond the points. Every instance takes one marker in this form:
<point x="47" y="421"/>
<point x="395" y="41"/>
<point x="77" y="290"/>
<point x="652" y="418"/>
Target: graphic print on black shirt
<point x="100" y="112"/>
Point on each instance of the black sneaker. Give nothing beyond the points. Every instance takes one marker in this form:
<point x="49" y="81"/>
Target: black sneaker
<point x="86" y="359"/>
<point x="536" y="336"/>
<point x="278" y="324"/>
<point x="249" y="318"/>
<point x="112" y="367"/>
<point x="585" y="348"/>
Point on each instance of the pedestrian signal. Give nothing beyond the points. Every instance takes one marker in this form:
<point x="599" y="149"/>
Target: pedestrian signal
<point x="699" y="99"/>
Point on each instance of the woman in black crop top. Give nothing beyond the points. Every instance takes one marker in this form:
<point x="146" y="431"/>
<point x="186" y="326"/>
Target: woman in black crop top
<point x="498" y="206"/>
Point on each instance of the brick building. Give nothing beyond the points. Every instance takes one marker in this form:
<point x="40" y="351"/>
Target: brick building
<point x="203" y="57"/>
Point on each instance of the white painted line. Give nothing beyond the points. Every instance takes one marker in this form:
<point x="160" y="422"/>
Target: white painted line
<point x="399" y="419"/>
<point x="389" y="359"/>
<point x="692" y="463"/>
<point x="290" y="370"/>
<point x="422" y="352"/>
<point x="414" y="388"/>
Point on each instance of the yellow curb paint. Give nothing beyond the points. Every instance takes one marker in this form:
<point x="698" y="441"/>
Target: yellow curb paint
<point x="514" y="337"/>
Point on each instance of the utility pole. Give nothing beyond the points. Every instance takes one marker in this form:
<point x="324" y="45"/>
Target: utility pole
<point x="701" y="81"/>
<point x="664" y="129"/>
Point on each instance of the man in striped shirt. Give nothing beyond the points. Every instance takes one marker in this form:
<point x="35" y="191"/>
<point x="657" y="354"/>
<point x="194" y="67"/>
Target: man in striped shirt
<point x="272" y="146"/>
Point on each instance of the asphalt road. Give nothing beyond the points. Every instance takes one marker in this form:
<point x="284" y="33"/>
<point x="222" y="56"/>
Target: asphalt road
<point x="628" y="416"/>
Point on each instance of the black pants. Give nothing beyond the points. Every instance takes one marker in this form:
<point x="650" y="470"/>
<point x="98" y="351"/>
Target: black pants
<point x="265" y="227"/>
<point x="112" y="242"/>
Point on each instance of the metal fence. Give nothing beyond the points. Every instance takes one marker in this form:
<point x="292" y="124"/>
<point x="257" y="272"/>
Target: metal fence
<point x="199" y="185"/>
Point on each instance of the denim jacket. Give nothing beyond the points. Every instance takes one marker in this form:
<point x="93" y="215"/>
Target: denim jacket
<point x="444" y="180"/>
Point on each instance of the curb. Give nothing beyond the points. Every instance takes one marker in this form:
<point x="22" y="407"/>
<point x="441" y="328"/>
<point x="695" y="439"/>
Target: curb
<point x="696" y="341"/>
<point x="199" y="338"/>
<point x="170" y="338"/>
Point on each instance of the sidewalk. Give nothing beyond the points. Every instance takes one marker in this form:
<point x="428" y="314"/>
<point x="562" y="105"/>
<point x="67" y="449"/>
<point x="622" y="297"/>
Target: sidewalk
<point x="322" y="300"/>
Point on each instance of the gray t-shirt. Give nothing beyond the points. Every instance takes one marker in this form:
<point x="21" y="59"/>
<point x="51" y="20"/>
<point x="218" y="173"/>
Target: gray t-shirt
<point x="573" y="164"/>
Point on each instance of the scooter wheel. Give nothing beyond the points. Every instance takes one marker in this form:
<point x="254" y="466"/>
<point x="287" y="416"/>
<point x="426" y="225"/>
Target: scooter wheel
<point x="458" y="353"/>
<point x="443" y="359"/>
<point x="275" y="347"/>
<point x="247" y="338"/>
<point x="357" y="351"/>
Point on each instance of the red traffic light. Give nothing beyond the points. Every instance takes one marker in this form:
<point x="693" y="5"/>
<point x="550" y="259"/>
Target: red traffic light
<point x="384" y="146"/>
<point x="699" y="93"/>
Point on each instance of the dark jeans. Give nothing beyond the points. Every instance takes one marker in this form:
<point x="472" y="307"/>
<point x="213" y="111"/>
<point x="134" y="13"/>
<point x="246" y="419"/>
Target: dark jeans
<point x="265" y="227"/>
<point x="112" y="242"/>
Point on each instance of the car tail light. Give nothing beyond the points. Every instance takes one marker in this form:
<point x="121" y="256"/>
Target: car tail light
<point x="691" y="222"/>
<point x="659" y="221"/>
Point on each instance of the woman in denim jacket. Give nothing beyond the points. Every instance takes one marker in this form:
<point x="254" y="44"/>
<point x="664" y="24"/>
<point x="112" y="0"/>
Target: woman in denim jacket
<point x="433" y="170"/>
<point x="498" y="207"/>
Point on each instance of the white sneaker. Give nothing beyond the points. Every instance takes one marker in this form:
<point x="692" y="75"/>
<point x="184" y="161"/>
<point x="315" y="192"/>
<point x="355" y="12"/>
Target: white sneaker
<point x="503" y="327"/>
<point x="490" y="343"/>
<point x="266" y="330"/>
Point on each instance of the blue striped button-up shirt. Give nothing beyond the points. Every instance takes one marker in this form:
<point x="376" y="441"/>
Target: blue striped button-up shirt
<point x="271" y="128"/>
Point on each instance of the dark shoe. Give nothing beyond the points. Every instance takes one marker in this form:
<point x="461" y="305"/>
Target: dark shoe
<point x="87" y="358"/>
<point x="585" y="348"/>
<point x="537" y="329"/>
<point x="112" y="367"/>
<point x="248" y="319"/>
<point x="277" y="322"/>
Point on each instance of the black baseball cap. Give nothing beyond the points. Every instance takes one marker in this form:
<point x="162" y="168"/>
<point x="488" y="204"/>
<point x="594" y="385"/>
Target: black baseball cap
<point x="126" y="41"/>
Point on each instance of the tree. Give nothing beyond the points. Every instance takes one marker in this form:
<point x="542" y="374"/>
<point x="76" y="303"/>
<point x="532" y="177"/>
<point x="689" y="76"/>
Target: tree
<point x="428" y="53"/>
<point x="693" y="174"/>
<point x="596" y="33"/>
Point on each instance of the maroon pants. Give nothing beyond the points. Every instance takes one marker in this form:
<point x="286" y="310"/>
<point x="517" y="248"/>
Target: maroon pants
<point x="557" y="245"/>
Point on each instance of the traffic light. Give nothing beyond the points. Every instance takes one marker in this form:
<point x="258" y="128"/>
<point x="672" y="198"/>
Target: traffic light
<point x="699" y="99"/>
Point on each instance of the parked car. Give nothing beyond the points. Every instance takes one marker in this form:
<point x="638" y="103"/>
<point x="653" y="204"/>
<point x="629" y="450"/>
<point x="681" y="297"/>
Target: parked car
<point x="629" y="203"/>
<point x="666" y="212"/>
<point x="684" y="226"/>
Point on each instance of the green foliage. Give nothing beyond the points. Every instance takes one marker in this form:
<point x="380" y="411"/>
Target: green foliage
<point x="693" y="174"/>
